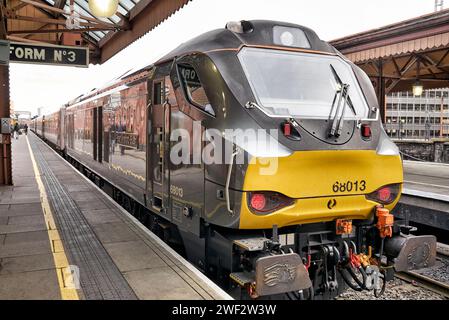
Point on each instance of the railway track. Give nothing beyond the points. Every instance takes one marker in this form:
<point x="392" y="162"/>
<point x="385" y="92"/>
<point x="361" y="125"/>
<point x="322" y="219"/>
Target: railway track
<point x="435" y="278"/>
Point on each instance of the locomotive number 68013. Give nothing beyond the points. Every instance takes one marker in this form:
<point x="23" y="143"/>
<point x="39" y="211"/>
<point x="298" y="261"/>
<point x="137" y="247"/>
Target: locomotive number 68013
<point x="349" y="186"/>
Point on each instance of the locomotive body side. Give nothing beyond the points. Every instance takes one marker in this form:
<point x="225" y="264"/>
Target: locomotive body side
<point x="54" y="127"/>
<point x="106" y="132"/>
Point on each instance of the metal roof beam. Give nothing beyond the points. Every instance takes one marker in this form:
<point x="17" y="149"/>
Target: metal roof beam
<point x="34" y="31"/>
<point x="145" y="16"/>
<point x="403" y="71"/>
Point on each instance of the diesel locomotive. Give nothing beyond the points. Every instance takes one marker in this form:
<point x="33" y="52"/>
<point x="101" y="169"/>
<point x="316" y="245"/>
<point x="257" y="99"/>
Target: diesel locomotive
<point x="303" y="215"/>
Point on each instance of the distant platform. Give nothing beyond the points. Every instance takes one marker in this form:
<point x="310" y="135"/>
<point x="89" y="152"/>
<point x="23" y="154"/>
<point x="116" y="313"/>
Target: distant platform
<point x="425" y="194"/>
<point x="63" y="238"/>
<point x="427" y="179"/>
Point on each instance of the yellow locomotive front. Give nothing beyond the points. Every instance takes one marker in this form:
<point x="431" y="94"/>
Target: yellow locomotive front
<point x="340" y="164"/>
<point x="318" y="186"/>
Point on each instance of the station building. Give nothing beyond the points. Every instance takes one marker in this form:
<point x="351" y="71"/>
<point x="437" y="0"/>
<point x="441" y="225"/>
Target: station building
<point x="418" y="117"/>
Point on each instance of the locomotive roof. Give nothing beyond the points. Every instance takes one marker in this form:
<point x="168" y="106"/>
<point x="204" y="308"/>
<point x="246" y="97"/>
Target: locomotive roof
<point x="261" y="35"/>
<point x="219" y="39"/>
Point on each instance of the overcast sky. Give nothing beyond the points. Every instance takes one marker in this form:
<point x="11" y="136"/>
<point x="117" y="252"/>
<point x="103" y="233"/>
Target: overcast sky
<point x="34" y="86"/>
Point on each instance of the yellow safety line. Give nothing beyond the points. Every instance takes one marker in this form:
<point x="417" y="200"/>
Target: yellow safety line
<point x="65" y="278"/>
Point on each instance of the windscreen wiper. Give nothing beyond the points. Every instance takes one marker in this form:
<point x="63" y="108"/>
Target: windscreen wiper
<point x="341" y="95"/>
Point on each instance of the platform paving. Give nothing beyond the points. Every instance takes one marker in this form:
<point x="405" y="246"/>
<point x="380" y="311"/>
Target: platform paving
<point x="116" y="256"/>
<point x="427" y="177"/>
<point x="27" y="268"/>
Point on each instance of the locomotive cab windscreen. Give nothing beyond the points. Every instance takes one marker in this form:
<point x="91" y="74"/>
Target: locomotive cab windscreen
<point x="303" y="85"/>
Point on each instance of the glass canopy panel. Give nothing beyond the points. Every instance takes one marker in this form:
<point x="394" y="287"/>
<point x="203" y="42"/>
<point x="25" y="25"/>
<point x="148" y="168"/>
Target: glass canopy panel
<point x="127" y="4"/>
<point x="100" y="34"/>
<point x="122" y="10"/>
<point x="93" y="35"/>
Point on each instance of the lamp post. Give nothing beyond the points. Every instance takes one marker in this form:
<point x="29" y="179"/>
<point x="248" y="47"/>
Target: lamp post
<point x="401" y="126"/>
<point x="427" y="126"/>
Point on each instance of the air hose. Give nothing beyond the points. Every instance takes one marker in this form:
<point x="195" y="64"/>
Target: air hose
<point x="360" y="284"/>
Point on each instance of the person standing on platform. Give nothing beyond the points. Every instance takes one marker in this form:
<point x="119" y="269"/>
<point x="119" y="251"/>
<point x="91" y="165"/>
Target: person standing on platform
<point x="25" y="127"/>
<point x="16" y="130"/>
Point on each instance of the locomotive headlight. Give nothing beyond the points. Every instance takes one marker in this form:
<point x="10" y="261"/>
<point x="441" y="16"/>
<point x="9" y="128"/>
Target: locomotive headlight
<point x="290" y="37"/>
<point x="265" y="202"/>
<point x="287" y="38"/>
<point x="385" y="195"/>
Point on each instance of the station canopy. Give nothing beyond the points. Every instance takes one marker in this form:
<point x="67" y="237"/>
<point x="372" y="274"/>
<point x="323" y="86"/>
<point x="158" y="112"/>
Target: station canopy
<point x="51" y="22"/>
<point x="398" y="55"/>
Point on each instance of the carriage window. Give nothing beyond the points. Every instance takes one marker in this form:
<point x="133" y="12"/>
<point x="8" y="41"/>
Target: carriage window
<point x="193" y="88"/>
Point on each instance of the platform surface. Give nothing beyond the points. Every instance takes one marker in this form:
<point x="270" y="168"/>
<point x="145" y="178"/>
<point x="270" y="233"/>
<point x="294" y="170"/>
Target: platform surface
<point x="63" y="238"/>
<point x="427" y="177"/>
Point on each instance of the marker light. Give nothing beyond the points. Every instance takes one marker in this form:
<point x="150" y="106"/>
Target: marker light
<point x="103" y="8"/>
<point x="366" y="131"/>
<point x="287" y="129"/>
<point x="264" y="202"/>
<point x="258" y="201"/>
<point x="385" y="195"/>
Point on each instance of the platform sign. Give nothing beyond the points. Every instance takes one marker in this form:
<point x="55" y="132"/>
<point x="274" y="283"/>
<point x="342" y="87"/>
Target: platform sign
<point x="5" y="125"/>
<point x="48" y="54"/>
<point x="4" y="52"/>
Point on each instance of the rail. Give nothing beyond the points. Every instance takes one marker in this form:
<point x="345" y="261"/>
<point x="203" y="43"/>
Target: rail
<point x="426" y="281"/>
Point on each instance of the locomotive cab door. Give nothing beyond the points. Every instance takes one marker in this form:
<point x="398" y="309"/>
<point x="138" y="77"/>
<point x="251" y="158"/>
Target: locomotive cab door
<point x="159" y="134"/>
